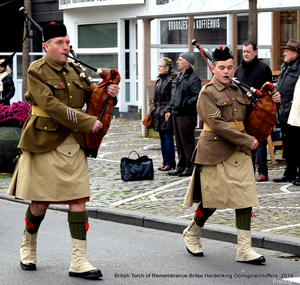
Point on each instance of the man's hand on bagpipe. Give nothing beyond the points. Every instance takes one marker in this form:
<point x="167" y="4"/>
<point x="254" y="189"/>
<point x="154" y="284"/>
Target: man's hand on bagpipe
<point x="96" y="127"/>
<point x="113" y="89"/>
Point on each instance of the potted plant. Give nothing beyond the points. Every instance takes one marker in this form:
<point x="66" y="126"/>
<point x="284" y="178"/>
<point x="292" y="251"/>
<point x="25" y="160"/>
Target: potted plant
<point x="12" y="119"/>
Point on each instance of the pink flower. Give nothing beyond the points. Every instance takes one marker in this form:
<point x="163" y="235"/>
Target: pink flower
<point x="14" y="115"/>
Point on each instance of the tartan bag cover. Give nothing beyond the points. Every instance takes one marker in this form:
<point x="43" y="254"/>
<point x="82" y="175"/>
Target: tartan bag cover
<point x="262" y="119"/>
<point x="94" y="108"/>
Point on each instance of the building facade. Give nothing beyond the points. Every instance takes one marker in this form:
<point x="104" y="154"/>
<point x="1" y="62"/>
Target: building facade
<point x="109" y="34"/>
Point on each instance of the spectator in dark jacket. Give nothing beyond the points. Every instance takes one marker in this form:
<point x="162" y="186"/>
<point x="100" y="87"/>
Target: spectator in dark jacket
<point x="185" y="92"/>
<point x="290" y="71"/>
<point x="162" y="97"/>
<point x="7" y="87"/>
<point x="255" y="73"/>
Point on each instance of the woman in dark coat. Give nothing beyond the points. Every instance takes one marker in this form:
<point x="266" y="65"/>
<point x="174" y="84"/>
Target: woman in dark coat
<point x="162" y="97"/>
<point x="7" y="87"/>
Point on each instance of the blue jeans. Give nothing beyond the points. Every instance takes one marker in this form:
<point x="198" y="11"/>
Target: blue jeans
<point x="167" y="148"/>
<point x="262" y="159"/>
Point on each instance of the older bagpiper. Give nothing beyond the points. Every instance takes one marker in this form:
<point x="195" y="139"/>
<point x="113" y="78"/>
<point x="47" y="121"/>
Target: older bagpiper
<point x="53" y="168"/>
<point x="223" y="162"/>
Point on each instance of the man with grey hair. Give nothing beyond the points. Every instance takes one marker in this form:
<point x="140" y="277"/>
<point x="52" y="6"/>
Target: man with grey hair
<point x="185" y="91"/>
<point x="290" y="72"/>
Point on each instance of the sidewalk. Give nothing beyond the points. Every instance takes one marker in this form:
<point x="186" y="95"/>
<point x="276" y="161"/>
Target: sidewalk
<point x="158" y="203"/>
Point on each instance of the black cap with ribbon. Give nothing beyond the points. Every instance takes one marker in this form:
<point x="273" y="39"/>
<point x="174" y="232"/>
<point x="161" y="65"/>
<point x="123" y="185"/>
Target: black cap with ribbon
<point x="54" y="30"/>
<point x="222" y="54"/>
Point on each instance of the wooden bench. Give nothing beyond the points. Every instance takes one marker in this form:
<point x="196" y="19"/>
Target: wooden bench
<point x="271" y="146"/>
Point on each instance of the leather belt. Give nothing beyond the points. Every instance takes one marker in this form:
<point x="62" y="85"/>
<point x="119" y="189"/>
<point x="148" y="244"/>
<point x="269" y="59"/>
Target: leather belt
<point x="38" y="111"/>
<point x="238" y="125"/>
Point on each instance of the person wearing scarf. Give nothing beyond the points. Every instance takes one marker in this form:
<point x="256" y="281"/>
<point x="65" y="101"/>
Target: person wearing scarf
<point x="7" y="87"/>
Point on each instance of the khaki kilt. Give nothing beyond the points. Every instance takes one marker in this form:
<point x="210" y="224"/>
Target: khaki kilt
<point x="58" y="175"/>
<point x="228" y="184"/>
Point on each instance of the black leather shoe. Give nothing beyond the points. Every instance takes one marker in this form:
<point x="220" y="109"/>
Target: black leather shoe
<point x="257" y="261"/>
<point x="174" y="173"/>
<point x="185" y="174"/>
<point x="195" y="254"/>
<point x="297" y="182"/>
<point x="282" y="179"/>
<point x="92" y="274"/>
<point x="28" y="266"/>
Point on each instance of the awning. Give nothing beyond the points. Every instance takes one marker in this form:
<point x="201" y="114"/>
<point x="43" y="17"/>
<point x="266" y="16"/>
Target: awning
<point x="186" y="8"/>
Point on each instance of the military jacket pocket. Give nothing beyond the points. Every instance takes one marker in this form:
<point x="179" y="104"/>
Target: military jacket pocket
<point x="243" y="101"/>
<point x="223" y="101"/>
<point x="211" y="136"/>
<point x="45" y="124"/>
<point x="58" y="89"/>
<point x="68" y="149"/>
<point x="236" y="168"/>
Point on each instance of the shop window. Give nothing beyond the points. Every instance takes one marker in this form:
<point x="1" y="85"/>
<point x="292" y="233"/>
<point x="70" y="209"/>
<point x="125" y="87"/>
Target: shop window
<point x="206" y="31"/>
<point x="103" y="61"/>
<point x="242" y="29"/>
<point x="98" y="36"/>
<point x="200" y="66"/>
<point x="127" y="34"/>
<point x="127" y="91"/>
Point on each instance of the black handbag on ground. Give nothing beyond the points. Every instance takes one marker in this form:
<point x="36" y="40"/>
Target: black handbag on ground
<point x="136" y="169"/>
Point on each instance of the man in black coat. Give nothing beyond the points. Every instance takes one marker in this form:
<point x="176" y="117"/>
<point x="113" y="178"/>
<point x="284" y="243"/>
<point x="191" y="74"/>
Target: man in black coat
<point x="290" y="71"/>
<point x="185" y="91"/>
<point x="255" y="73"/>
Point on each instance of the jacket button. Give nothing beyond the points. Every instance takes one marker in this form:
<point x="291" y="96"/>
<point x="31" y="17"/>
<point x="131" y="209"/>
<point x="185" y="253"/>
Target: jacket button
<point x="69" y="152"/>
<point x="235" y="110"/>
<point x="69" y="84"/>
<point x="45" y="128"/>
<point x="55" y="86"/>
<point x="215" y="138"/>
<point x="71" y="97"/>
<point x="233" y="99"/>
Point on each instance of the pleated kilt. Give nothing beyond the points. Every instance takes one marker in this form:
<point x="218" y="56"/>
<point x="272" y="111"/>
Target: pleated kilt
<point x="58" y="176"/>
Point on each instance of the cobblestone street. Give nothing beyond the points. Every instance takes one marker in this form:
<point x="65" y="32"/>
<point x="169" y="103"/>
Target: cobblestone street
<point x="279" y="203"/>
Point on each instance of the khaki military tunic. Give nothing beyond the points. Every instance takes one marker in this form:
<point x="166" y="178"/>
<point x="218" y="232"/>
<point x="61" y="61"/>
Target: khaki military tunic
<point x="53" y="166"/>
<point x="223" y="150"/>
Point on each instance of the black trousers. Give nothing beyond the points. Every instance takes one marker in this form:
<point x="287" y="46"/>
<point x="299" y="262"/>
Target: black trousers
<point x="184" y="127"/>
<point x="290" y="141"/>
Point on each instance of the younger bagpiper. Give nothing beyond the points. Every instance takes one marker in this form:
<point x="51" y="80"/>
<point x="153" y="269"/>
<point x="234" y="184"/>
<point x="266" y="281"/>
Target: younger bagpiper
<point x="223" y="159"/>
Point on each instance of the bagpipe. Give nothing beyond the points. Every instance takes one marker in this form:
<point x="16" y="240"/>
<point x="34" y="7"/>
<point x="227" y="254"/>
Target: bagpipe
<point x="260" y="121"/>
<point x="100" y="103"/>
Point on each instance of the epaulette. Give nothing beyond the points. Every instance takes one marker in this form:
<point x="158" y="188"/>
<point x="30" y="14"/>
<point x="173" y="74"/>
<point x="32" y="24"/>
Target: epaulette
<point x="37" y="63"/>
<point x="206" y="85"/>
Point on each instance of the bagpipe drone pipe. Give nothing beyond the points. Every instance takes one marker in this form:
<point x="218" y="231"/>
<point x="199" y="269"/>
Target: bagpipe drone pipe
<point x="100" y="104"/>
<point x="260" y="121"/>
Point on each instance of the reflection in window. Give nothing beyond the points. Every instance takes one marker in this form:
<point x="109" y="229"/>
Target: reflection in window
<point x="98" y="35"/>
<point x="242" y="29"/>
<point x="103" y="61"/>
<point x="127" y="90"/>
<point x="200" y="66"/>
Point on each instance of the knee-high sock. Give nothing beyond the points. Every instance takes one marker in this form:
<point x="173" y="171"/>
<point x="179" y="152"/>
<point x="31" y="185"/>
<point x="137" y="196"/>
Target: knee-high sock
<point x="202" y="214"/>
<point x="78" y="224"/>
<point x="243" y="218"/>
<point x="32" y="222"/>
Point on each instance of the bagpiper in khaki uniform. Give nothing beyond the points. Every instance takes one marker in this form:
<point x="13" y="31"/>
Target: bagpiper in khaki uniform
<point x="223" y="160"/>
<point x="52" y="167"/>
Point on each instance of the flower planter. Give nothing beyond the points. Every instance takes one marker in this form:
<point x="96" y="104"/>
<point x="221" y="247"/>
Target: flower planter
<point x="9" y="140"/>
